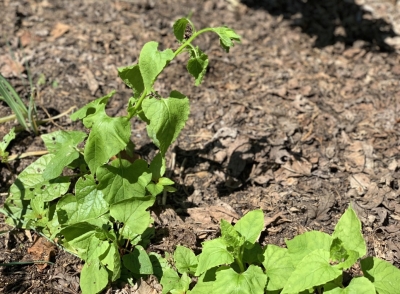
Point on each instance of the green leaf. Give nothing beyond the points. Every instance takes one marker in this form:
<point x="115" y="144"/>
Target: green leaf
<point x="214" y="253"/>
<point x="313" y="270"/>
<point x="155" y="189"/>
<point x="77" y="238"/>
<point x="122" y="180"/>
<point x="197" y="66"/>
<point x="183" y="285"/>
<point x="138" y="262"/>
<point x="167" y="118"/>
<point x="306" y="243"/>
<point x="132" y="78"/>
<point x="30" y="182"/>
<point x="179" y="29"/>
<point x="357" y="285"/>
<point x="278" y="266"/>
<point x="152" y="62"/>
<point x="91" y="109"/>
<point x="231" y="237"/>
<point x="112" y="260"/>
<point x="226" y="37"/>
<point x="157" y="167"/>
<point x="338" y="253"/>
<point x="170" y="280"/>
<point x="252" y="281"/>
<point x="64" y="146"/>
<point x="251" y="225"/>
<point x="88" y="203"/>
<point x="185" y="260"/>
<point x="252" y="254"/>
<point x="383" y="275"/>
<point x="133" y="214"/>
<point x="94" y="277"/>
<point x="348" y="230"/>
<point x="58" y="139"/>
<point x="4" y="144"/>
<point x="16" y="211"/>
<point x="165" y="181"/>
<point x="109" y="135"/>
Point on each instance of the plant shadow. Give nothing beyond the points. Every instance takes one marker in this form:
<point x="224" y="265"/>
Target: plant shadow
<point x="331" y="21"/>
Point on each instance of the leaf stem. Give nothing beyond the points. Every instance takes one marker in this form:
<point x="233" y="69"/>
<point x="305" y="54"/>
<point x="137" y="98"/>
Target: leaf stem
<point x="239" y="259"/>
<point x="137" y="104"/>
<point x="189" y="41"/>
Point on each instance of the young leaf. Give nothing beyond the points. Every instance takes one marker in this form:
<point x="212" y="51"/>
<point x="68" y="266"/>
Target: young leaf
<point x="338" y="253"/>
<point x="94" y="277"/>
<point x="313" y="270"/>
<point x="171" y="281"/>
<point x="155" y="189"/>
<point x="165" y="181"/>
<point x="152" y="62"/>
<point x="306" y="243"/>
<point x="197" y="66"/>
<point x="231" y="237"/>
<point x="185" y="260"/>
<point x="252" y="281"/>
<point x="133" y="214"/>
<point x="138" y="262"/>
<point x="251" y="225"/>
<point x="214" y="253"/>
<point x="167" y="118"/>
<point x="357" y="285"/>
<point x="226" y="37"/>
<point x="30" y="182"/>
<point x="278" y="266"/>
<point x="179" y="29"/>
<point x="91" y="109"/>
<point x="64" y="146"/>
<point x="132" y="78"/>
<point x="348" y="230"/>
<point x="383" y="275"/>
<point x="122" y="180"/>
<point x="109" y="135"/>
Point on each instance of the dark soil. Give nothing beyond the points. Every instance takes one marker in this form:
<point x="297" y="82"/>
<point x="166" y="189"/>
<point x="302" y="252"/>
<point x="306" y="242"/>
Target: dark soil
<point x="300" y="120"/>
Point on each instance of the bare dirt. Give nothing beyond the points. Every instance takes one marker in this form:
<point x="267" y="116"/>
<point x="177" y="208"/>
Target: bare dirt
<point x="300" y="120"/>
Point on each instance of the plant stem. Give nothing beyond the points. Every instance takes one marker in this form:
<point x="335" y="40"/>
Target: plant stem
<point x="189" y="41"/>
<point x="239" y="259"/>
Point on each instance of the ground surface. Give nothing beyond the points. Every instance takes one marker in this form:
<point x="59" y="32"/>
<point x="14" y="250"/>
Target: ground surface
<point x="300" y="120"/>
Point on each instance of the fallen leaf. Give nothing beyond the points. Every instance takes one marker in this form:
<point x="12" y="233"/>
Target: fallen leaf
<point x="42" y="250"/>
<point x="58" y="30"/>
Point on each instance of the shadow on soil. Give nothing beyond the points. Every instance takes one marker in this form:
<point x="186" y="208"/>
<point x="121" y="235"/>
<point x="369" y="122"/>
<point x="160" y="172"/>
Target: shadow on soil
<point x="331" y="21"/>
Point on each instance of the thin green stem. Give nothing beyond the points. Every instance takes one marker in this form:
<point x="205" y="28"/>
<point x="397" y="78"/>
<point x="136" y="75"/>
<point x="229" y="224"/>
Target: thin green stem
<point x="239" y="259"/>
<point x="137" y="105"/>
<point x="189" y="41"/>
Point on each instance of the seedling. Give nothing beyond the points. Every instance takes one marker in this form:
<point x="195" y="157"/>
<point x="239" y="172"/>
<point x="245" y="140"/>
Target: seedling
<point x="313" y="262"/>
<point x="98" y="210"/>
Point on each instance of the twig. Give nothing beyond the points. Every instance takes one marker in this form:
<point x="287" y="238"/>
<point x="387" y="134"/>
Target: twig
<point x="27" y="154"/>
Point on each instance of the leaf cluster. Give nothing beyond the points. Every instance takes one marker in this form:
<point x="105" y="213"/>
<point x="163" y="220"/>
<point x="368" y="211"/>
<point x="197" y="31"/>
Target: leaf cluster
<point x="313" y="262"/>
<point x="85" y="195"/>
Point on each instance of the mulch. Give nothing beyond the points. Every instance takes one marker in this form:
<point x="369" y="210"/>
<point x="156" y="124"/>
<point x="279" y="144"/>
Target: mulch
<point x="301" y="119"/>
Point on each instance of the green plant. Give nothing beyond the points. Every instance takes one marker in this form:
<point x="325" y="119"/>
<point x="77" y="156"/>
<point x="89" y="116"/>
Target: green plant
<point x="98" y="210"/>
<point x="312" y="262"/>
<point x="14" y="101"/>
